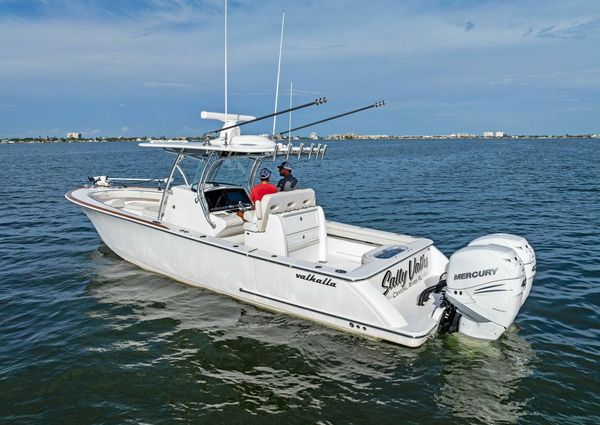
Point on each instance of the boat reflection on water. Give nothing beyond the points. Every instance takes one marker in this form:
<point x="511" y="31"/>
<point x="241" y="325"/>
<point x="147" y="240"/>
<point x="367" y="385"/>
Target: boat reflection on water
<point x="481" y="377"/>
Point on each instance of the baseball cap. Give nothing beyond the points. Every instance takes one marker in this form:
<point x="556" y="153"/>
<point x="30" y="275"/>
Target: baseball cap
<point x="265" y="174"/>
<point x="285" y="165"/>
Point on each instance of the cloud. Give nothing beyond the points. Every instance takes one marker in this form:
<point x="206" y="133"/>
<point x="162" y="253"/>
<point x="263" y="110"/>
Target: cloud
<point x="168" y="85"/>
<point x="566" y="30"/>
<point x="529" y="31"/>
<point x="166" y="57"/>
<point x="124" y="129"/>
<point x="324" y="47"/>
<point x="589" y="29"/>
<point x="5" y="107"/>
<point x="300" y="92"/>
<point x="108" y="48"/>
<point x="502" y="81"/>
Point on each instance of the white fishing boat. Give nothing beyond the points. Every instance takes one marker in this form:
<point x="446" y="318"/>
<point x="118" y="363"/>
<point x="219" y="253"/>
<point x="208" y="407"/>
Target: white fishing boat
<point x="286" y="257"/>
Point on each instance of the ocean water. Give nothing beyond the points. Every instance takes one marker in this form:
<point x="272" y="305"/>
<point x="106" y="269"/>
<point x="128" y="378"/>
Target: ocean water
<point x="86" y="337"/>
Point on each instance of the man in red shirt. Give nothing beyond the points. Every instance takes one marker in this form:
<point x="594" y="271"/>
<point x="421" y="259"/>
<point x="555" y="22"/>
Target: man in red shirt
<point x="261" y="189"/>
<point x="264" y="187"/>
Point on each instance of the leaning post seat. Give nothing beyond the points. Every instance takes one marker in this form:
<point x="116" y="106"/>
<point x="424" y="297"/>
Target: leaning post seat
<point x="284" y="222"/>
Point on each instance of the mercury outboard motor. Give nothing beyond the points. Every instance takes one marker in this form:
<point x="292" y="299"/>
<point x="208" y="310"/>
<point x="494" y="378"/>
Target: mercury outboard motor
<point x="521" y="247"/>
<point x="488" y="281"/>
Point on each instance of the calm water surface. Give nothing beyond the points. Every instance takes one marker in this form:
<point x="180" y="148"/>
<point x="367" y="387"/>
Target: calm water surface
<point x="87" y="338"/>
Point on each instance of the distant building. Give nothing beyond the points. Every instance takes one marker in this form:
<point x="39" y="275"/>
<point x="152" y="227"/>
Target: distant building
<point x="342" y="136"/>
<point x="74" y="136"/>
<point x="458" y="136"/>
<point x="494" y="134"/>
<point x="314" y="136"/>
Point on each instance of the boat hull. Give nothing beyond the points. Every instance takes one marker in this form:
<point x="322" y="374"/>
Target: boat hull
<point x="351" y="306"/>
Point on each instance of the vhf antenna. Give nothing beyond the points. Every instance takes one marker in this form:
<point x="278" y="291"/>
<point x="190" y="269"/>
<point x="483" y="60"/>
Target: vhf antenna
<point x="290" y="117"/>
<point x="374" y="105"/>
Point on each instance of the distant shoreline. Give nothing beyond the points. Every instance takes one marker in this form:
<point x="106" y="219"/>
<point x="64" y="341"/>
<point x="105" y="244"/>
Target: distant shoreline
<point x="26" y="140"/>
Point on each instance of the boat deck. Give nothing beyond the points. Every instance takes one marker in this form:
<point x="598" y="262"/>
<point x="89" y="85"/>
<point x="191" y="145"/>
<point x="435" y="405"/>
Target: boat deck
<point x="346" y="244"/>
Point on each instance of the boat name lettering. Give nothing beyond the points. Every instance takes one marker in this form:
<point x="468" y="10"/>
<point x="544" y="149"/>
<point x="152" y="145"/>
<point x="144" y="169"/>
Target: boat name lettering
<point x="476" y="273"/>
<point x="312" y="278"/>
<point x="404" y="278"/>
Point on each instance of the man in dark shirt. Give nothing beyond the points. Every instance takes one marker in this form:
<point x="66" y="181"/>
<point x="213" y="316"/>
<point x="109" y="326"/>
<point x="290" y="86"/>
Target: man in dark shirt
<point x="288" y="182"/>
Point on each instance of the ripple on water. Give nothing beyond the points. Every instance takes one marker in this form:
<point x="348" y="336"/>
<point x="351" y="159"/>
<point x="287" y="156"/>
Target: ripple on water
<point x="87" y="337"/>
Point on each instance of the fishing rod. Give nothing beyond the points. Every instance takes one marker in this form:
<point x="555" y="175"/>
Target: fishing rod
<point x="315" y="102"/>
<point x="374" y="105"/>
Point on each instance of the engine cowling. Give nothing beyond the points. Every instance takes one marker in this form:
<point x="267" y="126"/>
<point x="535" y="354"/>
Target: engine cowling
<point x="523" y="249"/>
<point x="486" y="284"/>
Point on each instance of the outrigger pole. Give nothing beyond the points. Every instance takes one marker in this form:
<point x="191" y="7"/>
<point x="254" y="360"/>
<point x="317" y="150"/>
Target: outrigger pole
<point x="315" y="102"/>
<point x="225" y="57"/>
<point x="278" y="72"/>
<point x="374" y="105"/>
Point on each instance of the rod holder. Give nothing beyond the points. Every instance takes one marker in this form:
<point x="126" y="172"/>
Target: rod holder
<point x="323" y="151"/>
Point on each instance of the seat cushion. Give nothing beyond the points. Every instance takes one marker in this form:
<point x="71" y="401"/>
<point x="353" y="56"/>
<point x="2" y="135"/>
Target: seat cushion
<point x="250" y="221"/>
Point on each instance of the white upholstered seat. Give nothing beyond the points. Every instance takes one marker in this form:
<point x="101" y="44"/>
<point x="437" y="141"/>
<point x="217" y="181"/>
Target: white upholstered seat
<point x="277" y="203"/>
<point x="286" y="221"/>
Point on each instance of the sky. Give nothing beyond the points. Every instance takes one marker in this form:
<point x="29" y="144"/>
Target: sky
<point x="148" y="68"/>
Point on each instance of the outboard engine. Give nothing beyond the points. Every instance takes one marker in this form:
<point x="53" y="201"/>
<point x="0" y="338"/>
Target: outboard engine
<point x="488" y="281"/>
<point x="521" y="247"/>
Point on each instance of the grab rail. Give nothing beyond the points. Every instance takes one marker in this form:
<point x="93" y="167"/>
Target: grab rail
<point x="202" y="184"/>
<point x="169" y="181"/>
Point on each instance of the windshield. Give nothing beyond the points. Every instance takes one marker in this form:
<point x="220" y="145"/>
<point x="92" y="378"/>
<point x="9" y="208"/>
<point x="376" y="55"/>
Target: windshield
<point x="191" y="168"/>
<point x="234" y="171"/>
